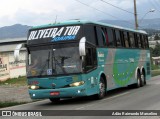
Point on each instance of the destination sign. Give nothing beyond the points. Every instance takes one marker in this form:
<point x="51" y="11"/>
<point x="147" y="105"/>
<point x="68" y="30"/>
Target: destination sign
<point x="56" y="34"/>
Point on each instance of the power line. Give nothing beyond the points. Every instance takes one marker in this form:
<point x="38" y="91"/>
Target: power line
<point x="116" y="7"/>
<point x="103" y="12"/>
<point x="96" y="9"/>
<point x="157" y="3"/>
<point x="154" y="6"/>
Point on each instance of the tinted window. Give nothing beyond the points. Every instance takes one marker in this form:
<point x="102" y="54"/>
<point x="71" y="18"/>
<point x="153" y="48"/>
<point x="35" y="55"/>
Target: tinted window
<point x="143" y="41"/>
<point x="118" y="38"/>
<point x="126" y="40"/>
<point x="100" y="36"/>
<point x="110" y="37"/>
<point x="132" y="40"/>
<point x="90" y="34"/>
<point x="146" y="40"/>
<point x="139" y="41"/>
<point x="105" y="42"/>
<point x="91" y="58"/>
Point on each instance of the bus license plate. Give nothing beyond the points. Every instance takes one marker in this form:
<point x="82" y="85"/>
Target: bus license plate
<point x="54" y="93"/>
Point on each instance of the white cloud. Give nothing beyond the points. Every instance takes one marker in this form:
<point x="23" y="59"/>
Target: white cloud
<point x="36" y="12"/>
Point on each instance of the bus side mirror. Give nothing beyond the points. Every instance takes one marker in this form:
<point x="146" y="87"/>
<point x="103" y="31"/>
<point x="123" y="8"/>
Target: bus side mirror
<point x="82" y="46"/>
<point x="17" y="49"/>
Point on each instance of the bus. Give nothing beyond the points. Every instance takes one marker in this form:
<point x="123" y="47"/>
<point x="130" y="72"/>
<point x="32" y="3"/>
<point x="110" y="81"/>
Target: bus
<point x="82" y="58"/>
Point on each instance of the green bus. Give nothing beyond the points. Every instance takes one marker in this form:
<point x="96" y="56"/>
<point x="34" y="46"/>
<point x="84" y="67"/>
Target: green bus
<point x="82" y="58"/>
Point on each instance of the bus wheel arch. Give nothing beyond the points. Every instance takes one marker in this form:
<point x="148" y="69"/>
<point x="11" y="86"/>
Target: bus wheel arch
<point x="105" y="80"/>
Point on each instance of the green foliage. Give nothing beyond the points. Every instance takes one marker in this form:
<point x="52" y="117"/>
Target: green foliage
<point x="155" y="73"/>
<point x="8" y="104"/>
<point x="156" y="37"/>
<point x="156" y="51"/>
<point x="155" y="67"/>
<point x="20" y="81"/>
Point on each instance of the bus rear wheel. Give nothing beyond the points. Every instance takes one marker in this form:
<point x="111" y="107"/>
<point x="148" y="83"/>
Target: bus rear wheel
<point x="54" y="100"/>
<point x="143" y="79"/>
<point x="138" y="84"/>
<point x="102" y="89"/>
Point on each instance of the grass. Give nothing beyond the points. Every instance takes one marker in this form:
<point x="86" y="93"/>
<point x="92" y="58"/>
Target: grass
<point x="20" y="81"/>
<point x="155" y="72"/>
<point x="154" y="67"/>
<point x="8" y="104"/>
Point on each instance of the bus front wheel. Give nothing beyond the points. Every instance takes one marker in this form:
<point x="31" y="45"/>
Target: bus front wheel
<point x="102" y="89"/>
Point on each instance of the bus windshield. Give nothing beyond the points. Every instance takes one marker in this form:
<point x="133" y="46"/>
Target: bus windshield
<point x="50" y="61"/>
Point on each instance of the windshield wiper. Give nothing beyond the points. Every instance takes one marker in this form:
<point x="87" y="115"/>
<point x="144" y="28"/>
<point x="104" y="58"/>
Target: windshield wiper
<point x="62" y="58"/>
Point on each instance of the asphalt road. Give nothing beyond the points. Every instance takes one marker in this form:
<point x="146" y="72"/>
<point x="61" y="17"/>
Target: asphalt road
<point x="144" y="98"/>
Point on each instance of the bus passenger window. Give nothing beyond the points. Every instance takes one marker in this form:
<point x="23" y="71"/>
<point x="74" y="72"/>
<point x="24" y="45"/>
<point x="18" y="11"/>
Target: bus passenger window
<point x="107" y="41"/>
<point x="90" y="34"/>
<point x="118" y="38"/>
<point x="126" y="41"/>
<point x="104" y="37"/>
<point x="100" y="36"/>
<point x="146" y="41"/>
<point x="143" y="42"/>
<point x="132" y="40"/>
<point x="110" y="37"/>
<point x="139" y="41"/>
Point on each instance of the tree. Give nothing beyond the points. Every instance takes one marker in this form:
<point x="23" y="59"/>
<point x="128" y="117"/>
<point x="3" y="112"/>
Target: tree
<point x="156" y="37"/>
<point x="156" y="51"/>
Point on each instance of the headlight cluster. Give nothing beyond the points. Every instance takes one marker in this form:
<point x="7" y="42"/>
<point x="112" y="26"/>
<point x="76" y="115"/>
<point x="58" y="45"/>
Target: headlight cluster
<point x="77" y="84"/>
<point x="33" y="87"/>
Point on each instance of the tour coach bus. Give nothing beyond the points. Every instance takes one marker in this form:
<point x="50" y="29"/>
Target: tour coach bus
<point x="82" y="58"/>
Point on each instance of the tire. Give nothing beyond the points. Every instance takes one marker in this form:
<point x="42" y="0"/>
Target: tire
<point x="54" y="100"/>
<point x="102" y="89"/>
<point x="143" y="79"/>
<point x="138" y="84"/>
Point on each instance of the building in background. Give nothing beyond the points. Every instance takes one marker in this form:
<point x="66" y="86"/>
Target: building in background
<point x="153" y="43"/>
<point x="156" y="60"/>
<point x="8" y="67"/>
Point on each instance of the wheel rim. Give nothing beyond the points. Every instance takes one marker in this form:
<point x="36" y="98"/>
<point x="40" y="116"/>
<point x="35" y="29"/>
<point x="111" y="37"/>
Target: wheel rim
<point x="102" y="88"/>
<point x="138" y="82"/>
<point x="142" y="78"/>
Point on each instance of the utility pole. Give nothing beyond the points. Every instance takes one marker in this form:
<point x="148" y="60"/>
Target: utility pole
<point x="135" y="15"/>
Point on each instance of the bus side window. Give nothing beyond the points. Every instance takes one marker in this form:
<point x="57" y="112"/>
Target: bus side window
<point x="139" y="41"/>
<point x="110" y="37"/>
<point x="96" y="35"/>
<point x="132" y="40"/>
<point x="91" y="58"/>
<point x="143" y="41"/>
<point x="146" y="40"/>
<point x="122" y="39"/>
<point x="104" y="36"/>
<point x="118" y="38"/>
<point x="99" y="36"/>
<point x="90" y="34"/>
<point x="126" y="40"/>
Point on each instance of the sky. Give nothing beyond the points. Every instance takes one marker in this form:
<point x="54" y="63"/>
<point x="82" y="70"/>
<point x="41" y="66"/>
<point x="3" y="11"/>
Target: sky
<point x="38" y="12"/>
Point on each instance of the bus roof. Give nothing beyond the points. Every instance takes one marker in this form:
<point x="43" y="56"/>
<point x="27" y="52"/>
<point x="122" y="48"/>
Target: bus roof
<point x="74" y="22"/>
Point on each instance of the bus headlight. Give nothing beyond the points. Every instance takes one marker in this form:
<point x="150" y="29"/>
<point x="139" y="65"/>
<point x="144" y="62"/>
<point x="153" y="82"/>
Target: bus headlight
<point x="76" y="84"/>
<point x="33" y="87"/>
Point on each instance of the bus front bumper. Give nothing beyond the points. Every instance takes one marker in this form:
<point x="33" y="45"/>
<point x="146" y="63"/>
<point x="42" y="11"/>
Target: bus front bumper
<point x="58" y="93"/>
